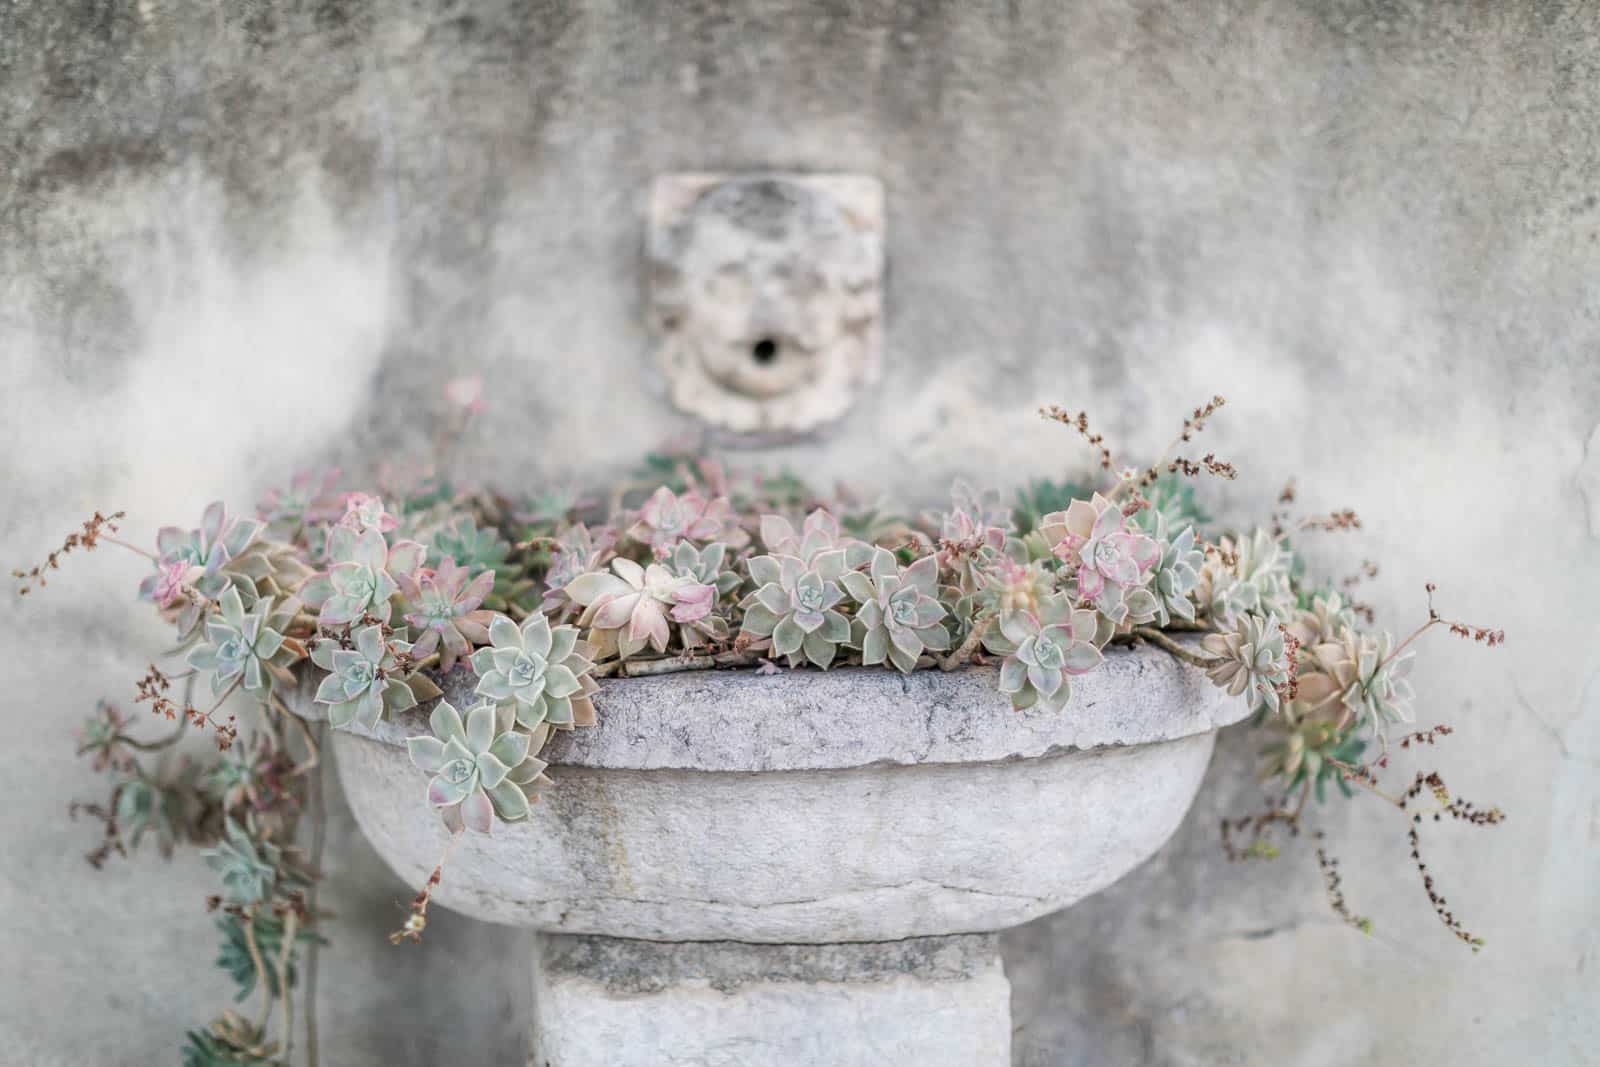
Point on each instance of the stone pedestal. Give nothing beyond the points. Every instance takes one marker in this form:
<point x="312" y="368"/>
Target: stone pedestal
<point x="930" y="1001"/>
<point x="781" y="837"/>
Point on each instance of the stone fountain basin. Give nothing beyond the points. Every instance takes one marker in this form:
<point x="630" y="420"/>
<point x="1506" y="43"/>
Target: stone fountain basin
<point x="811" y="807"/>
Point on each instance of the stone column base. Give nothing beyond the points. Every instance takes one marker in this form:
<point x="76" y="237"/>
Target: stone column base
<point x="927" y="1002"/>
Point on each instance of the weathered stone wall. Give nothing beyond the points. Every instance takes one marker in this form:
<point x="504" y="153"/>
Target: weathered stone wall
<point x="237" y="236"/>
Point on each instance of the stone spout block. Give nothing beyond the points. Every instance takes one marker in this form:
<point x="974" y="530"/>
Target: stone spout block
<point x="766" y="292"/>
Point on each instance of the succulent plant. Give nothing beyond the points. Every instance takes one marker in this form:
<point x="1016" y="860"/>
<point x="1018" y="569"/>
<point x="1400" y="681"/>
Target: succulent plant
<point x="819" y="533"/>
<point x="245" y="648"/>
<point x="247" y="774"/>
<point x="973" y="535"/>
<point x="539" y="671"/>
<point x="1327" y="619"/>
<point x="363" y="511"/>
<point x="104" y="736"/>
<point x="1251" y="658"/>
<point x="476" y="550"/>
<point x="232" y="1041"/>
<point x="707" y="566"/>
<point x="363" y="578"/>
<point x="578" y="551"/>
<point x="444" y="609"/>
<point x="1368" y="676"/>
<point x="1010" y="586"/>
<point x="237" y="956"/>
<point x="1043" y="649"/>
<point x="203" y="551"/>
<point x="1176" y="574"/>
<point x="1314" y="750"/>
<point x="1041" y="497"/>
<point x="308" y="498"/>
<point x="794" y="603"/>
<point x="1248" y="575"/>
<point x="249" y="868"/>
<point x="364" y="681"/>
<point x="482" y="768"/>
<point x="899" y="618"/>
<point x="628" y="609"/>
<point x="667" y="518"/>
<point x="1172" y="506"/>
<point x="1109" y="561"/>
<point x="550" y="506"/>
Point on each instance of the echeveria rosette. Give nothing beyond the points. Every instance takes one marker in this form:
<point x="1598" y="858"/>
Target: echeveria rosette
<point x="1010" y="586"/>
<point x="363" y="511"/>
<point x="444" y="608"/>
<point x="1251" y="658"/>
<point x="899" y="617"/>
<point x="1176" y="574"/>
<point x="250" y="869"/>
<point x="668" y="517"/>
<point x="628" y="609"/>
<point x="476" y="550"/>
<point x="308" y="498"/>
<point x="1109" y="561"/>
<point x="202" y="552"/>
<point x="793" y="605"/>
<point x="540" y="671"/>
<point x="707" y="566"/>
<point x="578" y="551"/>
<point x="819" y="533"/>
<point x="1247" y="575"/>
<point x="974" y="535"/>
<point x="482" y="767"/>
<point x="1369" y="678"/>
<point x="240" y="647"/>
<point x="1043" y="650"/>
<point x="363" y="578"/>
<point x="1327" y="619"/>
<point x="364" y="681"/>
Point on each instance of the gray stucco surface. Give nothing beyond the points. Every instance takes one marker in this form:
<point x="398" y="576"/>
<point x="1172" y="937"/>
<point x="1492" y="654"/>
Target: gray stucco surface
<point x="237" y="237"/>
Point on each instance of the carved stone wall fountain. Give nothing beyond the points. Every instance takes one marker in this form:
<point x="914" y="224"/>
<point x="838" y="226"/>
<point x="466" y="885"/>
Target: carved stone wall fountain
<point x="803" y="868"/>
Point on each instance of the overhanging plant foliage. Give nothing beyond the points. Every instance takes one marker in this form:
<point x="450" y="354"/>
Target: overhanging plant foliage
<point x="363" y="598"/>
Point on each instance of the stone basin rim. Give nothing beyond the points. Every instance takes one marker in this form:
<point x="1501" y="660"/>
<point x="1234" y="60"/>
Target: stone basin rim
<point x="740" y="721"/>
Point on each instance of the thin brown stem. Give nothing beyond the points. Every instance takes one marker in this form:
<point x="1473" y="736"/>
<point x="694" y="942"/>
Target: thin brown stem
<point x="1162" y="641"/>
<point x="964" y="653"/>
<point x="291" y="923"/>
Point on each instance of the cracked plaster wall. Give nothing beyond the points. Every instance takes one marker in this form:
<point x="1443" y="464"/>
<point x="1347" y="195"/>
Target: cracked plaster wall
<point x="234" y="237"/>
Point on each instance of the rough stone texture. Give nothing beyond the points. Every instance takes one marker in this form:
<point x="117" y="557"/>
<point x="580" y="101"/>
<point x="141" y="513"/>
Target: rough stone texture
<point x="1374" y="227"/>
<point x="937" y="1001"/>
<point x="884" y="850"/>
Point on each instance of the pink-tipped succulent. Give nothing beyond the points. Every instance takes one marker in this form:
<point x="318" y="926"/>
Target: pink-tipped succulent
<point x="483" y="767"/>
<point x="1108" y="559"/>
<point x="628" y="609"/>
<point x="309" y="497"/>
<point x="444" y="606"/>
<point x="219" y="539"/>
<point x="362" y="511"/>
<point x="819" y="533"/>
<point x="668" y="517"/>
<point x="973" y="536"/>
<point x="578" y="551"/>
<point x="1043" y="649"/>
<point x="364" y="576"/>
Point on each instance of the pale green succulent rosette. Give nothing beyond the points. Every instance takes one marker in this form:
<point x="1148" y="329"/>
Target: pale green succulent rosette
<point x="239" y="646"/>
<point x="482" y="767"/>
<point x="1252" y="658"/>
<point x="794" y="606"/>
<point x="364" y="681"/>
<point x="899" y="617"/>
<point x="1043" y="650"/>
<point x="539" y="671"/>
